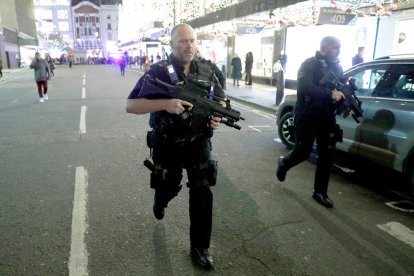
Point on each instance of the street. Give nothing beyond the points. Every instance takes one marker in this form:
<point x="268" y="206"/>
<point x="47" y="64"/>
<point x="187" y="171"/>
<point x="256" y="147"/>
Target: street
<point x="75" y="196"/>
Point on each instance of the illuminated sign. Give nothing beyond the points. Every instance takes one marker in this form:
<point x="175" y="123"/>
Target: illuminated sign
<point x="334" y="16"/>
<point x="243" y="29"/>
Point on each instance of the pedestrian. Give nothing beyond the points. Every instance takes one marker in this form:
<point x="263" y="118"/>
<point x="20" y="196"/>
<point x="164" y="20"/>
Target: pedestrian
<point x="236" y="72"/>
<point x="358" y="58"/>
<point x="147" y="63"/>
<point x="1" y="68"/>
<point x="122" y="64"/>
<point x="315" y="117"/>
<point x="283" y="60"/>
<point x="70" y="61"/>
<point x="51" y="64"/>
<point x="176" y="143"/>
<point x="42" y="75"/>
<point x="279" y="77"/>
<point x="248" y="68"/>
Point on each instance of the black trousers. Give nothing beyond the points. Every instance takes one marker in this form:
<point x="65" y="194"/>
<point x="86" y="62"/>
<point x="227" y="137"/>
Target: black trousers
<point x="174" y="157"/>
<point x="307" y="131"/>
<point x="248" y="78"/>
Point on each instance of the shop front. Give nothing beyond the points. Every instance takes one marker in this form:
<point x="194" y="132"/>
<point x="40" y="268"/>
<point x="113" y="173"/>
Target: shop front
<point x="261" y="44"/>
<point x="214" y="49"/>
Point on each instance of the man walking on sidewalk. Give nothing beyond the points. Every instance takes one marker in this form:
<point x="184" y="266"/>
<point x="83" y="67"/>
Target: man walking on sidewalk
<point x="42" y="75"/>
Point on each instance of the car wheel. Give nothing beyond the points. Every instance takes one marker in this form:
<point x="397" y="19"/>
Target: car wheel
<point x="286" y="129"/>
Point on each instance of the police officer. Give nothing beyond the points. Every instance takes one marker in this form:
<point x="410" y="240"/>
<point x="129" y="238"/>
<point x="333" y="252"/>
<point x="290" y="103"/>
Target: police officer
<point x="175" y="145"/>
<point x="315" y="117"/>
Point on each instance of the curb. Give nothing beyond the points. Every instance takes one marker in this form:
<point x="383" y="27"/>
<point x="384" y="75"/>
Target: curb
<point x="253" y="104"/>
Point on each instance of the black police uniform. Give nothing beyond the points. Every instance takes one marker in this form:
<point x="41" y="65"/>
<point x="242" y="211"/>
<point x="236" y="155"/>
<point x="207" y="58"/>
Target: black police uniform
<point x="175" y="145"/>
<point x="315" y="119"/>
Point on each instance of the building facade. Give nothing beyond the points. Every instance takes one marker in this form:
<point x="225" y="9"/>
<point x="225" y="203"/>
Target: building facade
<point x="54" y="26"/>
<point x="94" y="26"/>
<point x="17" y="30"/>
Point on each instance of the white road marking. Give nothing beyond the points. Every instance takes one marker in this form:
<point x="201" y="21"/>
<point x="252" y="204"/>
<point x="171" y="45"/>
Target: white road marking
<point x="263" y="114"/>
<point x="82" y="122"/>
<point x="256" y="127"/>
<point x="84" y="81"/>
<point x="83" y="92"/>
<point x="398" y="231"/>
<point x="277" y="140"/>
<point x="78" y="260"/>
<point x="12" y="102"/>
<point x="393" y="204"/>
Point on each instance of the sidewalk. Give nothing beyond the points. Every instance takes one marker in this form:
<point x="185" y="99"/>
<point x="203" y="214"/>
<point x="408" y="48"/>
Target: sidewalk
<point x="259" y="95"/>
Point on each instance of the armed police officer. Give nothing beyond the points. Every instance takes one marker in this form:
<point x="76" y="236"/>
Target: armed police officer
<point x="176" y="143"/>
<point x="315" y="117"/>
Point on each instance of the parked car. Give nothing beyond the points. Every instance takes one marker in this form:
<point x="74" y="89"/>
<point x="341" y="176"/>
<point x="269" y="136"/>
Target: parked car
<point x="385" y="134"/>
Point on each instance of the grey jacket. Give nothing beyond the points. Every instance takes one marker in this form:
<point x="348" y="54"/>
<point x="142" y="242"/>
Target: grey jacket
<point x="41" y="70"/>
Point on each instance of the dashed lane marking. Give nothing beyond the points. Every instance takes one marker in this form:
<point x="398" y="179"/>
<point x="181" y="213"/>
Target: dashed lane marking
<point x="83" y="92"/>
<point x="78" y="259"/>
<point x="256" y="128"/>
<point x="82" y="122"/>
<point x="398" y="231"/>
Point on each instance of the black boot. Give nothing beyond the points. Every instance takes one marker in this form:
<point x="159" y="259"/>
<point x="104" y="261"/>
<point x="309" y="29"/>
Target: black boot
<point x="281" y="170"/>
<point x="323" y="199"/>
<point x="202" y="258"/>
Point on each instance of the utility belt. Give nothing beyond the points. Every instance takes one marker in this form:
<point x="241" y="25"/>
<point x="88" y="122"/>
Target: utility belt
<point x="204" y="173"/>
<point x="156" y="138"/>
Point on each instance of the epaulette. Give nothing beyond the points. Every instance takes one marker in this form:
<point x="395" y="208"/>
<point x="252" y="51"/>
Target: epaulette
<point x="162" y="63"/>
<point x="203" y="60"/>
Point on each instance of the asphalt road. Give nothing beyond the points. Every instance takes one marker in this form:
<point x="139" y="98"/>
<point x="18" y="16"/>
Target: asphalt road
<point x="75" y="197"/>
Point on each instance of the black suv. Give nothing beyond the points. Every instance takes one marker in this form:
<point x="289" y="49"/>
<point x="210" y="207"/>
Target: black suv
<point x="385" y="134"/>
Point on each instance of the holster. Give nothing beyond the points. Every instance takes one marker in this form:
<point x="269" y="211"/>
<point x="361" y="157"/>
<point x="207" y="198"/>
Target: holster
<point x="154" y="138"/>
<point x="204" y="174"/>
<point x="211" y="172"/>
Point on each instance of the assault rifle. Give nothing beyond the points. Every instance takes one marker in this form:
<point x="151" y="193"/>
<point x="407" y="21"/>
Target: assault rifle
<point x="351" y="105"/>
<point x="195" y="91"/>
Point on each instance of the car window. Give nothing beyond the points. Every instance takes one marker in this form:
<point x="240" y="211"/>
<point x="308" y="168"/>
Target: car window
<point x="366" y="79"/>
<point x="397" y="82"/>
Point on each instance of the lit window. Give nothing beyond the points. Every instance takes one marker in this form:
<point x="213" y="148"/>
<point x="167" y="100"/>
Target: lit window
<point x="62" y="14"/>
<point x="43" y="14"/>
<point x="63" y="26"/>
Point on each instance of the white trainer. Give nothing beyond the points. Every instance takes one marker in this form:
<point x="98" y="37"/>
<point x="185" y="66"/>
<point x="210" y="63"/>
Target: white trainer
<point x="46" y="97"/>
<point x="41" y="100"/>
